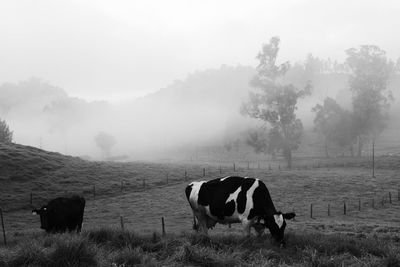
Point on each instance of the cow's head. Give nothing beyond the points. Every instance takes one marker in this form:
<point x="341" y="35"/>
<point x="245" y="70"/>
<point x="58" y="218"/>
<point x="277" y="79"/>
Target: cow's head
<point x="276" y="225"/>
<point x="44" y="218"/>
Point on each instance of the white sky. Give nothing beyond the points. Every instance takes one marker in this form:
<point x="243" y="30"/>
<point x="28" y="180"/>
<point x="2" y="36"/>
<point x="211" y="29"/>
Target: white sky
<point x="114" y="49"/>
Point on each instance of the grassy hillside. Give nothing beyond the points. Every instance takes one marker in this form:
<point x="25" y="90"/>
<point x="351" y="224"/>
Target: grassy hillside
<point x="369" y="237"/>
<point x="25" y="170"/>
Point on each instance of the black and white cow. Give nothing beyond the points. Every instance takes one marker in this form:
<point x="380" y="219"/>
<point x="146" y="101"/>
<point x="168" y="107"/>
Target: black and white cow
<point x="61" y="214"/>
<point x="236" y="200"/>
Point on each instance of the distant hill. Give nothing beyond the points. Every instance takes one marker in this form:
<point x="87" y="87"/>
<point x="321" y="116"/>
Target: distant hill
<point x="201" y="110"/>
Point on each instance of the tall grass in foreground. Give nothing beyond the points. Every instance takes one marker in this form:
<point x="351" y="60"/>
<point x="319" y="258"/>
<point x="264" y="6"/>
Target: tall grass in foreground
<point x="109" y="247"/>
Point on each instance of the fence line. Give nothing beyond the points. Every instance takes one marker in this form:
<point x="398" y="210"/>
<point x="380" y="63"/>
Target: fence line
<point x="127" y="187"/>
<point x="315" y="208"/>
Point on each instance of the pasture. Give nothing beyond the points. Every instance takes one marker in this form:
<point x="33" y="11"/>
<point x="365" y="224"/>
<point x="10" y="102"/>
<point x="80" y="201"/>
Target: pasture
<point x="26" y="170"/>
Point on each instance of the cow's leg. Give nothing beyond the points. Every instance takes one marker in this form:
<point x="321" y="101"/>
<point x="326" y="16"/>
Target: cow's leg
<point x="202" y="223"/>
<point x="211" y="222"/>
<point x="246" y="226"/>
<point x="79" y="228"/>
<point x="195" y="222"/>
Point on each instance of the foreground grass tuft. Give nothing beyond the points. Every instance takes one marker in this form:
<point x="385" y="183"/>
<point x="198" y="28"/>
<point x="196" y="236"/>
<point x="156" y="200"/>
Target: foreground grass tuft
<point x="28" y="254"/>
<point x="73" y="251"/>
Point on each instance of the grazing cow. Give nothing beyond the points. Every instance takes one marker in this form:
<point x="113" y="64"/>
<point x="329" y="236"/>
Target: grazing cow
<point x="236" y="200"/>
<point x="61" y="214"/>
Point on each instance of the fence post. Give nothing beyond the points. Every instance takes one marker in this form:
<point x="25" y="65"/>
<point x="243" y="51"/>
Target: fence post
<point x="234" y="167"/>
<point x="2" y="225"/>
<point x="390" y="198"/>
<point x="344" y="207"/>
<point x="122" y="222"/>
<point x="311" y="211"/>
<point x="94" y="192"/>
<point x="248" y="165"/>
<point x="163" y="226"/>
<point x="122" y="185"/>
<point x="329" y="210"/>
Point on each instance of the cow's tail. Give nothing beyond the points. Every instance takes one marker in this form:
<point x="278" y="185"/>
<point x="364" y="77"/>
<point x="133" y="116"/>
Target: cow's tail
<point x="188" y="190"/>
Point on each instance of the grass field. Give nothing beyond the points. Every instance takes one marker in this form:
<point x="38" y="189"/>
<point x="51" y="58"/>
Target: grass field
<point x="25" y="170"/>
<point x="107" y="247"/>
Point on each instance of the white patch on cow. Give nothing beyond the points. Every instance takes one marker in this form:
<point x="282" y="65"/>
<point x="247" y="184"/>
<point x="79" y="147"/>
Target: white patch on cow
<point x="278" y="220"/>
<point x="222" y="179"/>
<point x="198" y="210"/>
<point x="194" y="194"/>
<point x="249" y="199"/>
<point x="234" y="195"/>
<point x="34" y="213"/>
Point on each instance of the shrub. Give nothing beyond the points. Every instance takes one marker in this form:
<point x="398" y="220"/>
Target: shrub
<point x="132" y="257"/>
<point x="203" y="256"/>
<point x="73" y="251"/>
<point x="5" y="134"/>
<point x="28" y="254"/>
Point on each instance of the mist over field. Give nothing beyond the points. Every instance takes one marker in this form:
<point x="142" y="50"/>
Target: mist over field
<point x="167" y="81"/>
<point x="202" y="110"/>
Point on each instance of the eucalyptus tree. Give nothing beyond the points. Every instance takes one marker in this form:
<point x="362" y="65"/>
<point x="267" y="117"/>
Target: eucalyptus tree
<point x="274" y="102"/>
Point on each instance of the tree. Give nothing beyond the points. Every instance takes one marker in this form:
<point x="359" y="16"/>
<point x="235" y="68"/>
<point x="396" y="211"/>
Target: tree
<point x="370" y="72"/>
<point x="326" y="120"/>
<point x="105" y="142"/>
<point x="335" y="124"/>
<point x="256" y="139"/>
<point x="5" y="134"/>
<point x="275" y="103"/>
<point x="344" y="132"/>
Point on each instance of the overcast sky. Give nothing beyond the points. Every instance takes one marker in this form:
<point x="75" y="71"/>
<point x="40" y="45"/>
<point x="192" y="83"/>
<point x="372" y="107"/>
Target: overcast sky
<point x="117" y="49"/>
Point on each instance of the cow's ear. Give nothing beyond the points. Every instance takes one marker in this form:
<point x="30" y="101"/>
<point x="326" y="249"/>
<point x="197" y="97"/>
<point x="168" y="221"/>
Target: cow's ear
<point x="289" y="216"/>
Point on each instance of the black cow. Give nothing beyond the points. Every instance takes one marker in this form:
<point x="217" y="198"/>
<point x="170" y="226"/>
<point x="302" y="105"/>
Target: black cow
<point x="236" y="200"/>
<point x="61" y="214"/>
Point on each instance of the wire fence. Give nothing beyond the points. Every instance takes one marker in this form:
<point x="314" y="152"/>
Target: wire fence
<point x="314" y="210"/>
<point x="100" y="190"/>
